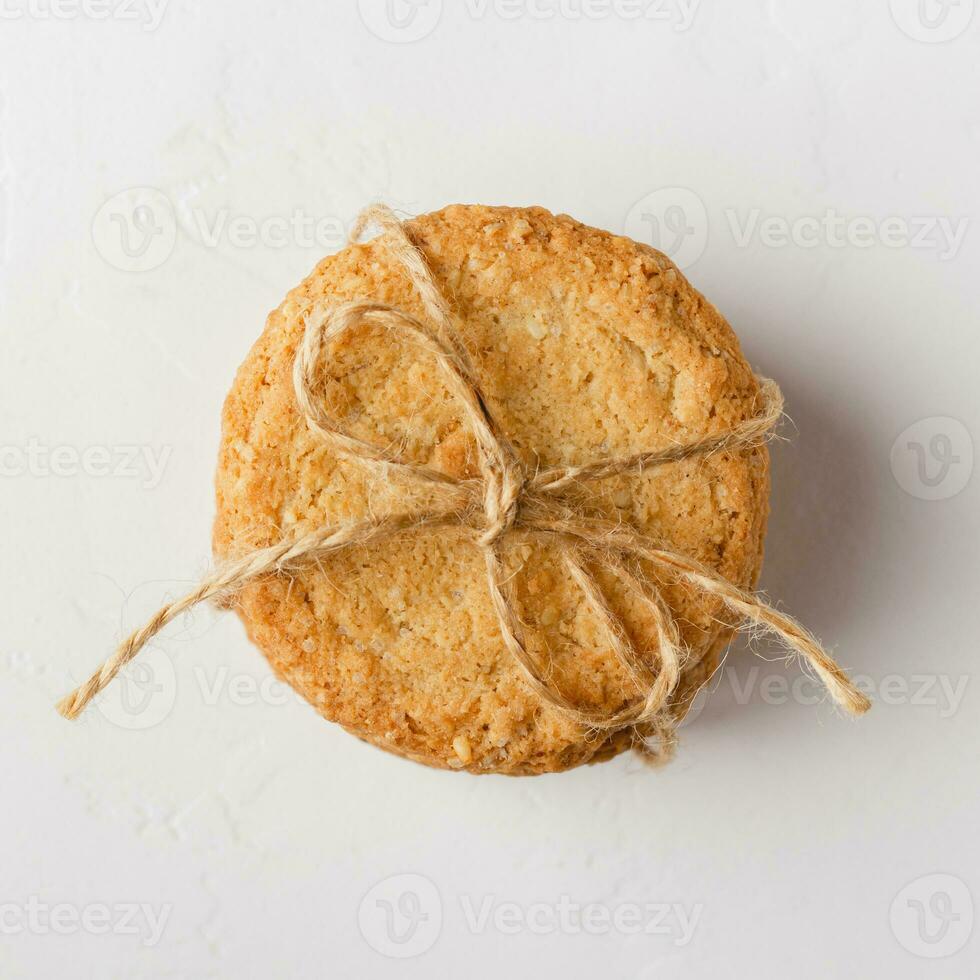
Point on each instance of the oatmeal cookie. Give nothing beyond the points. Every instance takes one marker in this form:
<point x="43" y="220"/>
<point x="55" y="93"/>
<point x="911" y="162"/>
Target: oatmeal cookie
<point x="586" y="345"/>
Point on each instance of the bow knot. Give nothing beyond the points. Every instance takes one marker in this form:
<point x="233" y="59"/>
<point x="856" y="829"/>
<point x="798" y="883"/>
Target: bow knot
<point x="503" y="491"/>
<point x="506" y="500"/>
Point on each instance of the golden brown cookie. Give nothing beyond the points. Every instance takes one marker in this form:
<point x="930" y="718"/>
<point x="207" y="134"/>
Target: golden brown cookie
<point x="587" y="345"/>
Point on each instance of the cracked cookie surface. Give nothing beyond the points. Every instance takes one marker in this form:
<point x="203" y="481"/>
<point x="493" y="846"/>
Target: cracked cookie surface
<point x="586" y="345"/>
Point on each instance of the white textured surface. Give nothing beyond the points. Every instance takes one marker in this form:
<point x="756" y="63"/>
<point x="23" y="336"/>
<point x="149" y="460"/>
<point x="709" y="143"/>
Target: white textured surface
<point x="254" y="828"/>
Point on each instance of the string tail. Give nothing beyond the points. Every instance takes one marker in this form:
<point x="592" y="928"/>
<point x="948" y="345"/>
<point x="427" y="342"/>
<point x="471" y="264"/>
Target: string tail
<point x="73" y="704"/>
<point x="793" y="634"/>
<point x="285" y="556"/>
<point x="799" y="639"/>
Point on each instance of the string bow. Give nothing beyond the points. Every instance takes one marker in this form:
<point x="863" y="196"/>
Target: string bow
<point x="505" y="501"/>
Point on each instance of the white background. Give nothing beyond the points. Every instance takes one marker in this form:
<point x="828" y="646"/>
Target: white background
<point x="791" y="841"/>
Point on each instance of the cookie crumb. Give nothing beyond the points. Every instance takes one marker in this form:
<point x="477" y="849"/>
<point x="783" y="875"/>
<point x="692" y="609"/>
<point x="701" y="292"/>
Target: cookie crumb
<point x="463" y="749"/>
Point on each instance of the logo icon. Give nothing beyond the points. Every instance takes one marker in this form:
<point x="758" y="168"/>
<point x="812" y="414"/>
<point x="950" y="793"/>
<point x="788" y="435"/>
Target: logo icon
<point x="673" y="220"/>
<point x="932" y="917"/>
<point x="933" y="458"/>
<point x="401" y="916"/>
<point x="143" y="694"/>
<point x="135" y="230"/>
<point x="400" y="21"/>
<point x="932" y="21"/>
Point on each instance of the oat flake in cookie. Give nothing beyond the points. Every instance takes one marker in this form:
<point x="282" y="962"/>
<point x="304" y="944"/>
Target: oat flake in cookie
<point x="490" y="492"/>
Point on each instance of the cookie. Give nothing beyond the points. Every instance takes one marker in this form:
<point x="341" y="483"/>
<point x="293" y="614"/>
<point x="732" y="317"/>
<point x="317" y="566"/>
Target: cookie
<point x="586" y="345"/>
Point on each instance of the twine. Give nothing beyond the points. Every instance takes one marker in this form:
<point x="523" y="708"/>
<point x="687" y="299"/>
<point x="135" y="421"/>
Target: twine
<point x="506" y="501"/>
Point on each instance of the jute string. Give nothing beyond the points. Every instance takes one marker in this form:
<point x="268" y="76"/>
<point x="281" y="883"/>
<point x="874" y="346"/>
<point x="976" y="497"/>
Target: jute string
<point x="505" y="502"/>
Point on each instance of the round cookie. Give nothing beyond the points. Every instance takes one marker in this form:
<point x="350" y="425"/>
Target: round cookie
<point x="587" y="345"/>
